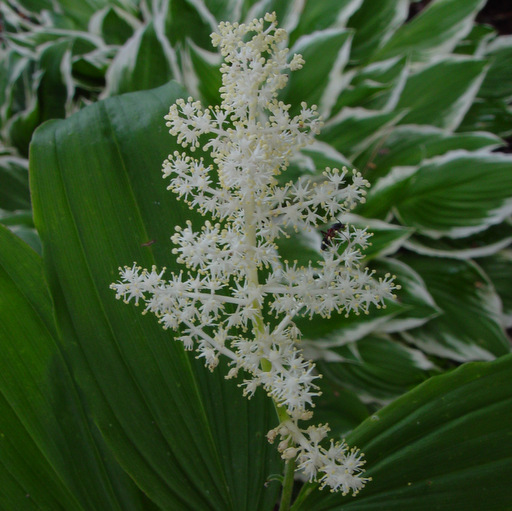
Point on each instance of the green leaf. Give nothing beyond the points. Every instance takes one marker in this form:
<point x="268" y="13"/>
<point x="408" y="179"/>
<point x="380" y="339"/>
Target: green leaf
<point x="454" y="195"/>
<point x="499" y="268"/>
<point x="481" y="244"/>
<point x="476" y="41"/>
<point x="313" y="16"/>
<point x="338" y="407"/>
<point x="413" y="307"/>
<point x="187" y="19"/>
<point x="14" y="193"/>
<point x="430" y="98"/>
<point x="375" y="26"/>
<point x="111" y="25"/>
<point x="469" y="328"/>
<point x="376" y="368"/>
<point x="489" y="115"/>
<point x="410" y="145"/>
<point x="50" y="452"/>
<point x="354" y="129"/>
<point x="188" y="438"/>
<point x="444" y="445"/>
<point x="435" y="31"/>
<point x="377" y="85"/>
<point x="498" y="81"/>
<point x="140" y="64"/>
<point x="318" y="82"/>
<point x="206" y="80"/>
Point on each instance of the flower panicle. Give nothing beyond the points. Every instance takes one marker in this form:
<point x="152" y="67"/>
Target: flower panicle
<point x="232" y="273"/>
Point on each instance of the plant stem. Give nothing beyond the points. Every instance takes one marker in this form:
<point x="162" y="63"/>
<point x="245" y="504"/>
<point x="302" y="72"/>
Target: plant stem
<point x="286" y="495"/>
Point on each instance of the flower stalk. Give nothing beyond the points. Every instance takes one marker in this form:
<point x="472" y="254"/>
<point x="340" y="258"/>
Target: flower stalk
<point x="236" y="296"/>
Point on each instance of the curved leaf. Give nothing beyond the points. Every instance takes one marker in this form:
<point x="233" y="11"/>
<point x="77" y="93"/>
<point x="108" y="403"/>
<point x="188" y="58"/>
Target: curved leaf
<point x="445" y="445"/>
<point x="436" y="30"/>
<point x="100" y="202"/>
<point x="470" y="327"/>
<point x="51" y="454"/>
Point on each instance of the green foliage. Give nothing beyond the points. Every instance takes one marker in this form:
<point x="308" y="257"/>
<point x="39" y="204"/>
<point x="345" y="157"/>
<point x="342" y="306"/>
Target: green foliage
<point x="100" y="409"/>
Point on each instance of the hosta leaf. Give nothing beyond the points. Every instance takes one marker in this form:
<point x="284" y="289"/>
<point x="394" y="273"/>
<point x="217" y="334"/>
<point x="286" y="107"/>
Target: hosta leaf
<point x="417" y="306"/>
<point x="469" y="328"/>
<point x="481" y="244"/>
<point x="205" y="79"/>
<point x="413" y="307"/>
<point x="318" y="82"/>
<point x="99" y="203"/>
<point x="375" y="26"/>
<point x="430" y="98"/>
<point x="354" y="129"/>
<point x="187" y="19"/>
<point x="386" y="238"/>
<point x="375" y="87"/>
<point x="140" y="64"/>
<point x="411" y="144"/>
<point x="51" y="456"/>
<point x="444" y="445"/>
<point x="111" y="26"/>
<point x="14" y="193"/>
<point x="226" y="10"/>
<point x="313" y="16"/>
<point x="489" y="115"/>
<point x="476" y="41"/>
<point x="436" y="30"/>
<point x="498" y="81"/>
<point x="454" y="195"/>
<point x="498" y="268"/>
<point x="376" y="368"/>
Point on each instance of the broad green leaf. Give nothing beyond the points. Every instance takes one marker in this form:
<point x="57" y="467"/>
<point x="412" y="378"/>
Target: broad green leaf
<point x="498" y="268"/>
<point x="187" y="437"/>
<point x="410" y="145"/>
<point x="50" y="451"/>
<point x="433" y="32"/>
<point x="140" y="64"/>
<point x="339" y="407"/>
<point x="318" y="82"/>
<point x="443" y="445"/>
<point x="456" y="195"/>
<point x="376" y="368"/>
<point x="375" y="26"/>
<point x="429" y="97"/>
<point x="469" y="328"/>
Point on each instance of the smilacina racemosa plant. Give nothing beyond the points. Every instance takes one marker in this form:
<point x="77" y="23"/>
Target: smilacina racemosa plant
<point x="236" y="296"/>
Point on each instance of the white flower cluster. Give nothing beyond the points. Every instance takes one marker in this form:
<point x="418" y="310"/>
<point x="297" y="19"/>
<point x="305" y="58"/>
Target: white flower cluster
<point x="235" y="296"/>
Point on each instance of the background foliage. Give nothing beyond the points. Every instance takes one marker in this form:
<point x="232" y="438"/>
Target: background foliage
<point x="99" y="409"/>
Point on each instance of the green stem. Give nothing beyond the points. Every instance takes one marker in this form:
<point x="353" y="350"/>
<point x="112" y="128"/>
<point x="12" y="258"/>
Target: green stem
<point x="258" y="325"/>
<point x="286" y="496"/>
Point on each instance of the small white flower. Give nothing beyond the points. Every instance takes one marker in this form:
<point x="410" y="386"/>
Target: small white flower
<point x="233" y="271"/>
